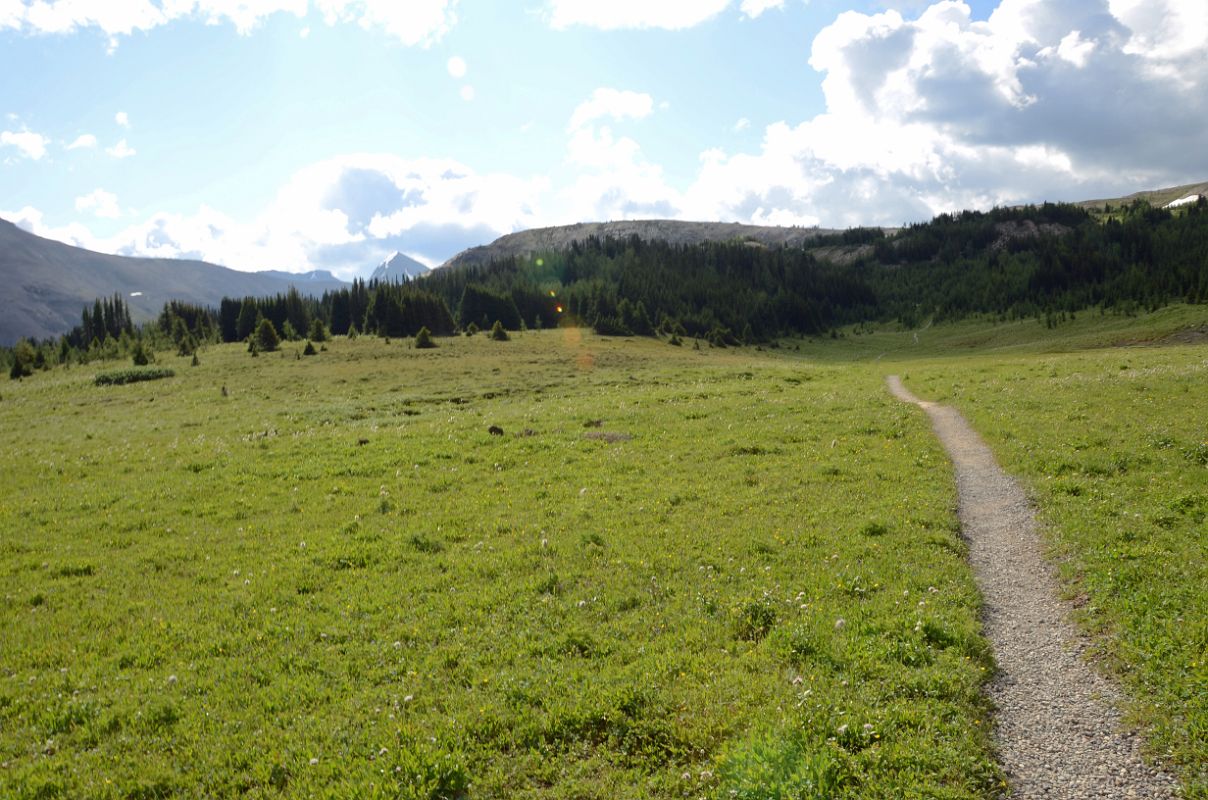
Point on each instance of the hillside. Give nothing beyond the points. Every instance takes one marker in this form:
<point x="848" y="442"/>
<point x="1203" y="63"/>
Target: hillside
<point x="44" y="284"/>
<point x="673" y="232"/>
<point x="1155" y="197"/>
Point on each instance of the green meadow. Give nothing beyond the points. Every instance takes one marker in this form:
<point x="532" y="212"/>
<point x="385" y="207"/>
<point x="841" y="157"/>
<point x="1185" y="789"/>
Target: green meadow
<point x="718" y="573"/>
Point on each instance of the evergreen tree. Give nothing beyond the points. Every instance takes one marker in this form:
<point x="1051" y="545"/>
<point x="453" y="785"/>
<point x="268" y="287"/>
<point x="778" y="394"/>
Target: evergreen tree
<point x="245" y="325"/>
<point x="498" y="333"/>
<point x="140" y="357"/>
<point x="23" y="360"/>
<point x="423" y="339"/>
<point x="266" y="338"/>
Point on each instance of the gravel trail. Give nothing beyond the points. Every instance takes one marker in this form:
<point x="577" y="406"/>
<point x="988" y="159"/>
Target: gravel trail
<point x="1057" y="729"/>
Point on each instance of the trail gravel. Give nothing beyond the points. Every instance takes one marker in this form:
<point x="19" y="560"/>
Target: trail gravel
<point x="1058" y="730"/>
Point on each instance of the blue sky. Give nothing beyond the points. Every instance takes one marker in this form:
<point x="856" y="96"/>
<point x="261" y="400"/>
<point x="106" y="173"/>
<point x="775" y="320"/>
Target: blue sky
<point x="303" y="134"/>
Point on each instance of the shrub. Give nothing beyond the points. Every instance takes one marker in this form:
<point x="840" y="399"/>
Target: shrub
<point x="498" y="333"/>
<point x="471" y="329"/>
<point x="352" y="331"/>
<point x="123" y="376"/>
<point x="423" y="339"/>
<point x="309" y="350"/>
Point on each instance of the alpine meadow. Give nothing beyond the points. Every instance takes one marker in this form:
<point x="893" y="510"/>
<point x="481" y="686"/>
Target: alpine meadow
<point x="664" y="400"/>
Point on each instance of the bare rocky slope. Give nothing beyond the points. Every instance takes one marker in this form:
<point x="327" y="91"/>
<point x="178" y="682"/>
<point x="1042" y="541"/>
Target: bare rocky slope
<point x="44" y="285"/>
<point x="526" y="243"/>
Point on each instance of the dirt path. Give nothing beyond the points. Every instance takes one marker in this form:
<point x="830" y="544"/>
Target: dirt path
<point x="1058" y="733"/>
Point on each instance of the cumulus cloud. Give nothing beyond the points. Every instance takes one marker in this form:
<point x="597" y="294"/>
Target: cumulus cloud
<point x="83" y="141"/>
<point x="1045" y="99"/>
<point x="618" y="14"/>
<point x="27" y="143"/>
<point x="614" y="180"/>
<point x="456" y="66"/>
<point x="101" y="203"/>
<point x="121" y="150"/>
<point x="753" y="8"/>
<point x="345" y="214"/>
<point x="122" y="119"/>
<point x="612" y="103"/>
<point x="415" y="22"/>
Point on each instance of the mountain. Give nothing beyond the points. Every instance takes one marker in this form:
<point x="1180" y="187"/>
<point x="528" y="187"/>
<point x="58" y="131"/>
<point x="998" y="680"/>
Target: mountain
<point x="673" y="232"/>
<point x="301" y="278"/>
<point x="44" y="285"/>
<point x="397" y="268"/>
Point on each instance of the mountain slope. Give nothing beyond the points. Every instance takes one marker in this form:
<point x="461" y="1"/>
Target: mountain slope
<point x="670" y="231"/>
<point x="397" y="268"/>
<point x="44" y="285"/>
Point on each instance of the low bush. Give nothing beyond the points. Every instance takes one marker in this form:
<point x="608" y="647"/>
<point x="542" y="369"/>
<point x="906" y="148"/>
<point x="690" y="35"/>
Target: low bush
<point x="123" y="376"/>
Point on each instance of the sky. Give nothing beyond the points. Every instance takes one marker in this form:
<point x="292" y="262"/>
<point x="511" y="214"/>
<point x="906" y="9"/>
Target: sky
<point x="328" y="134"/>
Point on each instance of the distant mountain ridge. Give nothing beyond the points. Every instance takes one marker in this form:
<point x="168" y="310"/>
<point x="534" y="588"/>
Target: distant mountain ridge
<point x="44" y="284"/>
<point x="397" y="268"/>
<point x="561" y="237"/>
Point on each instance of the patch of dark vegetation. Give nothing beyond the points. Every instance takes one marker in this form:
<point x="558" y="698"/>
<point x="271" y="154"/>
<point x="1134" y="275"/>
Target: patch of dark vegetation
<point x="610" y="437"/>
<point x="426" y="544"/>
<point x="124" y="376"/>
<point x="755" y="621"/>
<point x="81" y="571"/>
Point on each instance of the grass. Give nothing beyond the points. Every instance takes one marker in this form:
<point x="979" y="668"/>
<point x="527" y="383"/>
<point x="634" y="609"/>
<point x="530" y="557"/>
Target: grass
<point x="677" y="573"/>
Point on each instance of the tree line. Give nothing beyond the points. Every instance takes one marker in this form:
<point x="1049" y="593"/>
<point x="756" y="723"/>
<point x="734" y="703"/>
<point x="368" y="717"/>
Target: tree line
<point x="1035" y="261"/>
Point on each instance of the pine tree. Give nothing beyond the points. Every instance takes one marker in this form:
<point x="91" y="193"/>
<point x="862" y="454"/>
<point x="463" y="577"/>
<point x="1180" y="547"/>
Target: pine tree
<point x="423" y="339"/>
<point x="498" y="333"/>
<point x="266" y="336"/>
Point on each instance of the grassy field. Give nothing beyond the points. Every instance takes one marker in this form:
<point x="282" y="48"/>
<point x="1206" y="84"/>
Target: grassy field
<point x="677" y="573"/>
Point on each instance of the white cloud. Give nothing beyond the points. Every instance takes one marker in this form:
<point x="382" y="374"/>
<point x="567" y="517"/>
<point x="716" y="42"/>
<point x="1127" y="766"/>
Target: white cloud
<point x="345" y="214"/>
<point x="413" y="22"/>
<point x="467" y="93"/>
<point x="122" y="119"/>
<point x="101" y="203"/>
<point x="457" y="67"/>
<point x="29" y="144"/>
<point x="32" y="220"/>
<point x="618" y="14"/>
<point x="83" y="141"/>
<point x="1047" y="99"/>
<point x="753" y="8"/>
<point x="742" y="124"/>
<point x="615" y="180"/>
<point x="121" y="150"/>
<point x="611" y="103"/>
